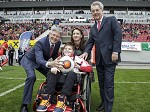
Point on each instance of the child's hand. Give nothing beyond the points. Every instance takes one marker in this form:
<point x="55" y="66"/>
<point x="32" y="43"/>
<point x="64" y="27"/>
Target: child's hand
<point x="76" y="65"/>
<point x="54" y="70"/>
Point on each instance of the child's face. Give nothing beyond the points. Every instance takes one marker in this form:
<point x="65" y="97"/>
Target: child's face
<point x="68" y="51"/>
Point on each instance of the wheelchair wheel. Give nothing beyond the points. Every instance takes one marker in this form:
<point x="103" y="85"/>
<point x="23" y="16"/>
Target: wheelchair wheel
<point x="88" y="94"/>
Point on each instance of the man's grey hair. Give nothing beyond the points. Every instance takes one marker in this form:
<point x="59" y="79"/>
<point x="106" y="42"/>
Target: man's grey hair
<point x="101" y="6"/>
<point x="56" y="28"/>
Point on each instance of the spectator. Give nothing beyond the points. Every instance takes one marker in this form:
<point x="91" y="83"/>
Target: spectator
<point x="20" y="55"/>
<point x="11" y="51"/>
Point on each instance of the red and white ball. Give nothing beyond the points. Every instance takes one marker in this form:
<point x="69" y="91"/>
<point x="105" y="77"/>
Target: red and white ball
<point x="68" y="64"/>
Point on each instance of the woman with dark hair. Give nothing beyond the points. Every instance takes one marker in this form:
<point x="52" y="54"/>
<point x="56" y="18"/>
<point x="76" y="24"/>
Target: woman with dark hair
<point x="77" y="39"/>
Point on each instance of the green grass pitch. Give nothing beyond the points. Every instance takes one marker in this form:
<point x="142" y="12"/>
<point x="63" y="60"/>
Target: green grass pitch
<point x="132" y="90"/>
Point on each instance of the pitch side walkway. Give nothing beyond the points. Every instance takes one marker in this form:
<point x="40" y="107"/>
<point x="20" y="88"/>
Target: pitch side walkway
<point x="133" y="65"/>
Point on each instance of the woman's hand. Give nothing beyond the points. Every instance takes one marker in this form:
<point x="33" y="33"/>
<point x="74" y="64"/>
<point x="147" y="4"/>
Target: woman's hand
<point x="84" y="55"/>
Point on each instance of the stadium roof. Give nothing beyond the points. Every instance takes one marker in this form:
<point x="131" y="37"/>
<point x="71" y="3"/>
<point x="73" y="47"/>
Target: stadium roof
<point x="72" y="4"/>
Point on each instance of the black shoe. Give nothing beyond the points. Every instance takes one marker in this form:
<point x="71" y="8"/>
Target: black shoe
<point x="100" y="107"/>
<point x="24" y="109"/>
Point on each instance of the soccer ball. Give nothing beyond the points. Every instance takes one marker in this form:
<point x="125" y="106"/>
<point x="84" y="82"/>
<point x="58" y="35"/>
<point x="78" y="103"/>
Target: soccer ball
<point x="68" y="64"/>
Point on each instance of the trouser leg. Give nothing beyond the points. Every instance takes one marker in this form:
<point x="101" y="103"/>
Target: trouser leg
<point x="68" y="84"/>
<point x="28" y="87"/>
<point x="109" y="87"/>
<point x="100" y="73"/>
<point x="52" y="80"/>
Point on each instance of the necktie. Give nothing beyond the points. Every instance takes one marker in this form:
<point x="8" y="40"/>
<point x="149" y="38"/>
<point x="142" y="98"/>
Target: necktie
<point x="98" y="25"/>
<point x="51" y="49"/>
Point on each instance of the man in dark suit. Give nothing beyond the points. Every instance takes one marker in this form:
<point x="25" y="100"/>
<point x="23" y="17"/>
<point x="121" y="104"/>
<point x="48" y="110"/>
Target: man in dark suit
<point x="11" y="52"/>
<point x="107" y="38"/>
<point x="38" y="58"/>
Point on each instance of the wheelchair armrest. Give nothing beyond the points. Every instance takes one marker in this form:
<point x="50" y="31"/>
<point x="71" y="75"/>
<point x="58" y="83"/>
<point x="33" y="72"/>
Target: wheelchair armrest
<point x="81" y="73"/>
<point x="84" y="73"/>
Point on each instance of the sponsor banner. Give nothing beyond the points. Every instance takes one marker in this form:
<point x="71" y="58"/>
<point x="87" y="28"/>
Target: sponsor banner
<point x="24" y="39"/>
<point x="15" y="43"/>
<point x="32" y="43"/>
<point x="1" y="42"/>
<point x="145" y="46"/>
<point x="131" y="46"/>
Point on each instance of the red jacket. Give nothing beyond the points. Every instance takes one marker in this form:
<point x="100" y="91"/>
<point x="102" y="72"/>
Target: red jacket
<point x="84" y="65"/>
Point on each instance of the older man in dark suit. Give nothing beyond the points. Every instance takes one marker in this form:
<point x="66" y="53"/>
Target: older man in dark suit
<point x="38" y="58"/>
<point x="106" y="35"/>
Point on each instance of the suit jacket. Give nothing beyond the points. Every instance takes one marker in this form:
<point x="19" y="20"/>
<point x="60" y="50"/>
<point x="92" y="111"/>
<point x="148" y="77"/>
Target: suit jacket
<point x="107" y="39"/>
<point x="39" y="54"/>
<point x="11" y="51"/>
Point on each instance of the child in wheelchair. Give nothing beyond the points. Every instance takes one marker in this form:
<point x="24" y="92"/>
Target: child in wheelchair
<point x="53" y="78"/>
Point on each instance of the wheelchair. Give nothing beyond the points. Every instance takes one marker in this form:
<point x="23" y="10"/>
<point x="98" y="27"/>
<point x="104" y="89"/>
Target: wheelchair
<point x="78" y="101"/>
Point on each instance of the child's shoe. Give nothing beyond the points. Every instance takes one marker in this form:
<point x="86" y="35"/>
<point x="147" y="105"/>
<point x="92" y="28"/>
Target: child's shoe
<point x="45" y="103"/>
<point x="60" y="106"/>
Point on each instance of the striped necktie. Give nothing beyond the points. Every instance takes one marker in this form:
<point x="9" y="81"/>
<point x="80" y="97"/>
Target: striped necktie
<point x="98" y="25"/>
<point x="51" y="49"/>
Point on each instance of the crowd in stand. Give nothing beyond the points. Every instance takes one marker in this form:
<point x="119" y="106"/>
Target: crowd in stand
<point x="136" y="32"/>
<point x="12" y="31"/>
<point x="131" y="32"/>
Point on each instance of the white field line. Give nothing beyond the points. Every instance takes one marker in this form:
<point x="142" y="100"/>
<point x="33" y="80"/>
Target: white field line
<point x="18" y="78"/>
<point x="19" y="86"/>
<point x="95" y="81"/>
<point x="11" y="90"/>
<point x="131" y="82"/>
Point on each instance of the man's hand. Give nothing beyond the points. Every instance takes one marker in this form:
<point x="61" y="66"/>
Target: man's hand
<point x="54" y="70"/>
<point x="84" y="55"/>
<point x="56" y="63"/>
<point x="114" y="57"/>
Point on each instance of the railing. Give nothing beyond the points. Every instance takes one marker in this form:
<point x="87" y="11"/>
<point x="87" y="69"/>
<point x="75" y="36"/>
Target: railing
<point x="66" y="17"/>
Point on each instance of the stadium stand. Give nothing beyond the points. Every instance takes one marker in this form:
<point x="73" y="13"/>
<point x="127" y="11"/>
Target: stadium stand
<point x="131" y="32"/>
<point x="39" y="15"/>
